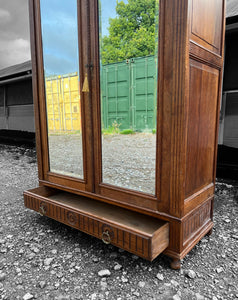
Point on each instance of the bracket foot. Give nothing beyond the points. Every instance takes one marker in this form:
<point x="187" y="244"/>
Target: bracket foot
<point x="175" y="264"/>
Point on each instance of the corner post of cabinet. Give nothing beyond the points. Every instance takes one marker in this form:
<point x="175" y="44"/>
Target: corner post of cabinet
<point x="35" y="86"/>
<point x="174" y="85"/>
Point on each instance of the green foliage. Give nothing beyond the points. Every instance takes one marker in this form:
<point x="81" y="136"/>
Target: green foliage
<point x="114" y="129"/>
<point x="127" y="131"/>
<point x="132" y="32"/>
<point x="154" y="131"/>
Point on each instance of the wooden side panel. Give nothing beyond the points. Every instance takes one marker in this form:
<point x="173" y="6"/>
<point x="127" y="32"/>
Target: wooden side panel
<point x="206" y="23"/>
<point x="201" y="137"/>
<point x="187" y="233"/>
<point x="195" y="221"/>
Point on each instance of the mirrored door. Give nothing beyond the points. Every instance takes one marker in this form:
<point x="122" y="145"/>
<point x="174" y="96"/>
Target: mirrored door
<point x="61" y="73"/>
<point x="98" y="90"/>
<point x="64" y="57"/>
<point x="126" y="84"/>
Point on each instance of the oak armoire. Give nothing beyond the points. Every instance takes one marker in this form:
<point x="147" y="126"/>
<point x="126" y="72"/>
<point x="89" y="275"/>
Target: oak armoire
<point x="127" y="99"/>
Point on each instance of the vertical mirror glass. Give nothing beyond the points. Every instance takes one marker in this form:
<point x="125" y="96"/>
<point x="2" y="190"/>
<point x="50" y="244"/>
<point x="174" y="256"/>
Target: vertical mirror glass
<point x="61" y="71"/>
<point x="128" y="81"/>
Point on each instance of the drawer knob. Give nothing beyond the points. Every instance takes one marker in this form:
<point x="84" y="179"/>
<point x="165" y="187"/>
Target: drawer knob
<point x="42" y="211"/>
<point x="106" y="237"/>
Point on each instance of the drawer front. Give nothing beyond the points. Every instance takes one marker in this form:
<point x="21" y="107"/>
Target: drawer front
<point x="107" y="232"/>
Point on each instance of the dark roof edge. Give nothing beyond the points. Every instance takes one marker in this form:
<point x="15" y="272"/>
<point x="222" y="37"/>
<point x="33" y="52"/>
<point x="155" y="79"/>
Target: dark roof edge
<point x="16" y="70"/>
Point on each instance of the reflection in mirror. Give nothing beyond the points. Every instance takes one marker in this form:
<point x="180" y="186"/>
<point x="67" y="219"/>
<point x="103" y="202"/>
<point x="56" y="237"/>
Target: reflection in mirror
<point x="61" y="71"/>
<point x="128" y="79"/>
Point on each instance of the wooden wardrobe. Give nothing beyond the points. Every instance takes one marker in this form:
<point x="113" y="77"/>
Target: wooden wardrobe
<point x="175" y="211"/>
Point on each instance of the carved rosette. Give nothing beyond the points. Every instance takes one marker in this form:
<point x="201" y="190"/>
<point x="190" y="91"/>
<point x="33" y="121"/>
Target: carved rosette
<point x="71" y="218"/>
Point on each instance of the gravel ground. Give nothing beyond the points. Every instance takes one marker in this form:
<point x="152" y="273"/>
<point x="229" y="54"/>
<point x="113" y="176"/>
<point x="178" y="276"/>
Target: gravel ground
<point x="128" y="160"/>
<point x="43" y="259"/>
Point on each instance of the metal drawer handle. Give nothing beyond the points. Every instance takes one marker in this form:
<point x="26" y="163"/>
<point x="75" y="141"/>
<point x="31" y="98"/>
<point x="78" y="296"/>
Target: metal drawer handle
<point x="106" y="237"/>
<point x="42" y="211"/>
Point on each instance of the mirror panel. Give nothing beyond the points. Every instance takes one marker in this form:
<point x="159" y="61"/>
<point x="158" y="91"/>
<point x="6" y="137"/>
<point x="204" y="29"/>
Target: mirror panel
<point x="61" y="73"/>
<point x="128" y="82"/>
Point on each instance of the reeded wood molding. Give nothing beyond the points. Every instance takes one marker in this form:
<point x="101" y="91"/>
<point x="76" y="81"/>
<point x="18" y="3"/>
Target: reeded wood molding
<point x="195" y="221"/>
<point x="35" y="88"/>
<point x="41" y="89"/>
<point x="145" y="244"/>
<point x="125" y="240"/>
<point x="174" y="102"/>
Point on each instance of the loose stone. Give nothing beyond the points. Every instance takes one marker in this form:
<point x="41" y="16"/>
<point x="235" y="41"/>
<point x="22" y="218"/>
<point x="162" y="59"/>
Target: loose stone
<point x="135" y="257"/>
<point x="103" y="285"/>
<point x="174" y="283"/>
<point x="95" y="260"/>
<point x="104" y="273"/>
<point x="191" y="274"/>
<point x="2" y="276"/>
<point x="42" y="284"/>
<point x="113" y="255"/>
<point x="141" y="284"/>
<point x="219" y="270"/>
<point x="94" y="296"/>
<point x="124" y="279"/>
<point x="28" y="296"/>
<point x="160" y="276"/>
<point x="199" y="297"/>
<point x="117" y="267"/>
<point x="48" y="261"/>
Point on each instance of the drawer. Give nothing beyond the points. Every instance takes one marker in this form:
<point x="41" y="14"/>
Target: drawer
<point x="142" y="235"/>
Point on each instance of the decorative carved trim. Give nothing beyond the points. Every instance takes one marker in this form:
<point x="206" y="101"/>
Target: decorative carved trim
<point x="196" y="220"/>
<point x="125" y="239"/>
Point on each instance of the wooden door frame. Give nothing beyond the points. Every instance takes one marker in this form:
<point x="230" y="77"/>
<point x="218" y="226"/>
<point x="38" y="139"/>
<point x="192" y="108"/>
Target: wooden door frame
<point x="91" y="113"/>
<point x="123" y="195"/>
<point x="62" y="182"/>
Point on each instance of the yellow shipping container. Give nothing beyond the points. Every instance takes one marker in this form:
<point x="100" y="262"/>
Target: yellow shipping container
<point x="63" y="103"/>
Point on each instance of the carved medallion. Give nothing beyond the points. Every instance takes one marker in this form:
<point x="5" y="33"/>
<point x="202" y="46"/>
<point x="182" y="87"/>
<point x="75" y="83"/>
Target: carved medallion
<point x="71" y="218"/>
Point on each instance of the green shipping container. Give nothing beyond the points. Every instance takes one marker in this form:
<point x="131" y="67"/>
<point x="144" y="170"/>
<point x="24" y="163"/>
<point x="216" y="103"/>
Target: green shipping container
<point x="129" y="94"/>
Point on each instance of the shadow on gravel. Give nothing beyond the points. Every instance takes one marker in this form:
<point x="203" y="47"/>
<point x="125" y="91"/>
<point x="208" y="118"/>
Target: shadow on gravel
<point x="72" y="236"/>
<point x="17" y="138"/>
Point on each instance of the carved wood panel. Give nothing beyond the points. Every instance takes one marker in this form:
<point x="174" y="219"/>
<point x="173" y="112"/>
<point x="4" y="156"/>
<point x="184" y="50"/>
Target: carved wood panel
<point x="208" y="32"/>
<point x="196" y="220"/>
<point x="201" y="132"/>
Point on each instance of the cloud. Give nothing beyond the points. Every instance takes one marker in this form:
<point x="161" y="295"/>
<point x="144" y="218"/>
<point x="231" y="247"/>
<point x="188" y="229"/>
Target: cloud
<point x="5" y="16"/>
<point x="14" y="33"/>
<point x="14" y="51"/>
<point x="60" y="36"/>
